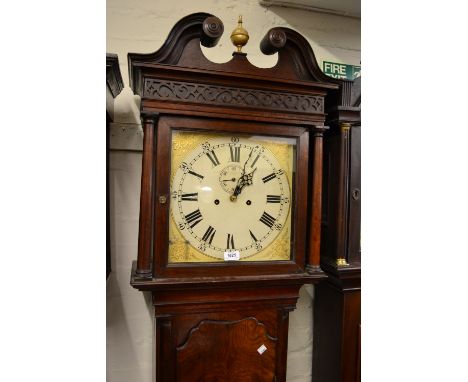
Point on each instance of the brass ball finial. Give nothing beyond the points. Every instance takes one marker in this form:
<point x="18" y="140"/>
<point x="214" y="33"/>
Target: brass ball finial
<point x="239" y="36"/>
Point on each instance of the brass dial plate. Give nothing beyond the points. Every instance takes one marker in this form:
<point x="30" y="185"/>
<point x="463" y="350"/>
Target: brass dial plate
<point x="207" y="218"/>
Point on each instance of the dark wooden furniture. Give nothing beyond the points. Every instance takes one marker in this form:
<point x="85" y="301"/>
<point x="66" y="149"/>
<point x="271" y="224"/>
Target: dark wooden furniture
<point x="114" y="85"/>
<point x="212" y="319"/>
<point x="337" y="308"/>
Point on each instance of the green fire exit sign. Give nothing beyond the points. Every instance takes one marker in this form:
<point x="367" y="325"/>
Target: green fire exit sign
<point x="342" y="71"/>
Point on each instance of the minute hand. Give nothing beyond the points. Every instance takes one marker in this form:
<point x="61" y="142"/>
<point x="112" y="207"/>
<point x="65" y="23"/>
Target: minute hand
<point x="241" y="182"/>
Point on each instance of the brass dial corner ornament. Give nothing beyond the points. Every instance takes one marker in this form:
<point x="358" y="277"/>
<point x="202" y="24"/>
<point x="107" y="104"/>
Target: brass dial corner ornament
<point x="239" y="36"/>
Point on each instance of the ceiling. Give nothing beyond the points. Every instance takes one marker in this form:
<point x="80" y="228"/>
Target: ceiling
<point x="349" y="8"/>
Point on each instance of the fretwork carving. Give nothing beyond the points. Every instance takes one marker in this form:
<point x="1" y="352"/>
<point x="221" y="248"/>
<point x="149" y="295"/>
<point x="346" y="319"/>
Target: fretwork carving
<point x="221" y="95"/>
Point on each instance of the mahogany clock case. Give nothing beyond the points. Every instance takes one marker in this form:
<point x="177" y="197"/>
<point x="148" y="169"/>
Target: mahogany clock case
<point x="337" y="305"/>
<point x="296" y="264"/>
<point x="199" y="308"/>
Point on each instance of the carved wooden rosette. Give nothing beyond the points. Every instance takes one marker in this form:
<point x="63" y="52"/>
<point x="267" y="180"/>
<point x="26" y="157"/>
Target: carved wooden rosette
<point x="219" y="304"/>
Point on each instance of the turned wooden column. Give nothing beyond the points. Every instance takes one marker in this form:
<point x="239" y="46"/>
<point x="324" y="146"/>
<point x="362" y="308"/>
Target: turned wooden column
<point x="144" y="269"/>
<point x="342" y="206"/>
<point x="316" y="215"/>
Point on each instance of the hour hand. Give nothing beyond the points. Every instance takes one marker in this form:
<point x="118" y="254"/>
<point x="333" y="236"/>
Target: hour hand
<point x="244" y="180"/>
<point x="238" y="189"/>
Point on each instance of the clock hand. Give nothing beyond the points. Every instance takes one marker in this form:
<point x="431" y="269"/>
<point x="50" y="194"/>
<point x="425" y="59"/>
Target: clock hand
<point x="250" y="155"/>
<point x="244" y="180"/>
<point x="229" y="180"/>
<point x="250" y="177"/>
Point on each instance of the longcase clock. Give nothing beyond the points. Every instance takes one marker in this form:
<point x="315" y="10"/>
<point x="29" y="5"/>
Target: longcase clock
<point x="230" y="206"/>
<point x="337" y="307"/>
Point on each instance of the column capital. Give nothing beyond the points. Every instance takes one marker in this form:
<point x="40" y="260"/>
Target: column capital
<point x="345" y="126"/>
<point x="149" y="116"/>
<point x="319" y="130"/>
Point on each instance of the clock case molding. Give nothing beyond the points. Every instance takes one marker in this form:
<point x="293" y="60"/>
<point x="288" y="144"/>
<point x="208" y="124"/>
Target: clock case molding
<point x="179" y="86"/>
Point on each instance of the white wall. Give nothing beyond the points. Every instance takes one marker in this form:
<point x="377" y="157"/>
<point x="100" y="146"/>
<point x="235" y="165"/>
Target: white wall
<point x="142" y="27"/>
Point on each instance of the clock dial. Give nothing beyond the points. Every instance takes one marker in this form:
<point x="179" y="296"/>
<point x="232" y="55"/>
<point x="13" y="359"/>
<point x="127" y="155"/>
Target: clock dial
<point x="232" y="193"/>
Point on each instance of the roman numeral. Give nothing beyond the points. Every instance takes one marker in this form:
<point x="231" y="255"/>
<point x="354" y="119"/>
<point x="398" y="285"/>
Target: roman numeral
<point x="273" y="199"/>
<point x="190" y="197"/>
<point x="253" y="236"/>
<point x="235" y="154"/>
<point x="230" y="241"/>
<point x="269" y="177"/>
<point x="255" y="161"/>
<point x="209" y="234"/>
<point x="213" y="158"/>
<point x="195" y="174"/>
<point x="267" y="219"/>
<point x="195" y="217"/>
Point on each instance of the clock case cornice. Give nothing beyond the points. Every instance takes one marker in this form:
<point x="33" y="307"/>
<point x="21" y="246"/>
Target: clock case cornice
<point x="294" y="91"/>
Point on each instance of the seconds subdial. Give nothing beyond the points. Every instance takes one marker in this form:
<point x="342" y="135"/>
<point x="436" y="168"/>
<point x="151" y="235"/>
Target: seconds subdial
<point x="229" y="176"/>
